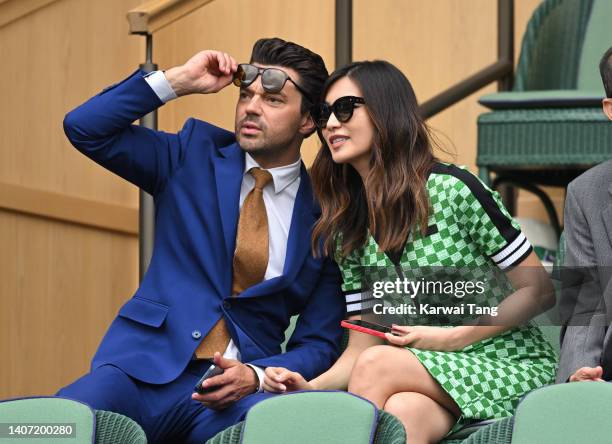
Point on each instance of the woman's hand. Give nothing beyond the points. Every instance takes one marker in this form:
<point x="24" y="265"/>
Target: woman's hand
<point x="281" y="380"/>
<point x="426" y="338"/>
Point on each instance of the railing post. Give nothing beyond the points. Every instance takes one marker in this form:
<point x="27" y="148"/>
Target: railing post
<point x="505" y="51"/>
<point x="505" y="39"/>
<point x="146" y="210"/>
<point x="344" y="32"/>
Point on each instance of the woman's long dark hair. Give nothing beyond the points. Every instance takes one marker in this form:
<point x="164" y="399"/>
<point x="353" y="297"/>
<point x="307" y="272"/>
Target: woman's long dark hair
<point x="392" y="199"/>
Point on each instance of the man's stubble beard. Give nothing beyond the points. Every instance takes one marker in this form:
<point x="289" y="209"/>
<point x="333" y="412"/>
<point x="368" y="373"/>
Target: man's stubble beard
<point x="262" y="146"/>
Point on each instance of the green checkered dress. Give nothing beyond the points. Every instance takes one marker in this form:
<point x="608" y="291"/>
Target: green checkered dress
<point x="468" y="228"/>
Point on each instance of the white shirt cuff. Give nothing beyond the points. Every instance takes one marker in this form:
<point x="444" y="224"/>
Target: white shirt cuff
<point x="260" y="374"/>
<point x="160" y="86"/>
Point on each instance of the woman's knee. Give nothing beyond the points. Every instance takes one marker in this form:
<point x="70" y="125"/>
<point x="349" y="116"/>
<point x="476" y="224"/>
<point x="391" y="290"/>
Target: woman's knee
<point x="372" y="360"/>
<point x="375" y="364"/>
<point x="406" y="404"/>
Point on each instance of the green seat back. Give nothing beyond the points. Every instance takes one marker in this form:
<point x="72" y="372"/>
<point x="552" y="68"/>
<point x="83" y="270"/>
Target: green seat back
<point x="563" y="44"/>
<point x="113" y="428"/>
<point x="50" y="411"/>
<point x="565" y="413"/>
<point x="597" y="40"/>
<point x="311" y="418"/>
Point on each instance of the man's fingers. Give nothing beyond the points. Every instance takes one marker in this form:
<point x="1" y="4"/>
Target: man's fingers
<point x="220" y="61"/>
<point x="224" y="363"/>
<point x="227" y="64"/>
<point x="216" y="381"/>
<point x="590" y="371"/>
<point x="214" y="396"/>
<point x="587" y="374"/>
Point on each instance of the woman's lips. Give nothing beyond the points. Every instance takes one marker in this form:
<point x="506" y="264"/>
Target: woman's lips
<point x="335" y="142"/>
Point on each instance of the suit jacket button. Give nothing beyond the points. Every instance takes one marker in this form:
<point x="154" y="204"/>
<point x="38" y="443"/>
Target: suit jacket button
<point x="227" y="305"/>
<point x="196" y="334"/>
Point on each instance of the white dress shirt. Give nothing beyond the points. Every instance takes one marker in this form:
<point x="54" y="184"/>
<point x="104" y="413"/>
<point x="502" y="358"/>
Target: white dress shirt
<point x="279" y="198"/>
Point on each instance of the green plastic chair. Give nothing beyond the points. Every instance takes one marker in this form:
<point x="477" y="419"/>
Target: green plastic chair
<point x="113" y="428"/>
<point x="80" y="423"/>
<point x="565" y="413"/>
<point x="550" y="127"/>
<point x="313" y="417"/>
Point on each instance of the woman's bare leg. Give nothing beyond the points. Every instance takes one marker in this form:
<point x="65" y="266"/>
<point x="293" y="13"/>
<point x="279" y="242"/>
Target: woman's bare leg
<point x="424" y="419"/>
<point x="384" y="370"/>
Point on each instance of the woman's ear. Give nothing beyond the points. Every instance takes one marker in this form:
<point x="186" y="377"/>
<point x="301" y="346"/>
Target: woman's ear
<point x="607" y="107"/>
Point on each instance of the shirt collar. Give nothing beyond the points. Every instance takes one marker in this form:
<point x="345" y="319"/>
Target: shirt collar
<point x="282" y="176"/>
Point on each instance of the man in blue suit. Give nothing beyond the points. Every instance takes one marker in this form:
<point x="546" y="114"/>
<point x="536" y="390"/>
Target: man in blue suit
<point x="232" y="260"/>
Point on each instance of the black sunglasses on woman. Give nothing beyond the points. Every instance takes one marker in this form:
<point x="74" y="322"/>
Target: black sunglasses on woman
<point x="342" y="108"/>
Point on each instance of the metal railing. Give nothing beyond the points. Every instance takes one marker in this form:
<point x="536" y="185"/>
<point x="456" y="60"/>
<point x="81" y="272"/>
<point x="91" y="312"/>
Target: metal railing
<point x="500" y="71"/>
<point x="145" y="20"/>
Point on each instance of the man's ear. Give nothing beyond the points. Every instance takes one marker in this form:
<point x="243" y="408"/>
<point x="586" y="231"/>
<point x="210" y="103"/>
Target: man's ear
<point x="308" y="126"/>
<point x="607" y="107"/>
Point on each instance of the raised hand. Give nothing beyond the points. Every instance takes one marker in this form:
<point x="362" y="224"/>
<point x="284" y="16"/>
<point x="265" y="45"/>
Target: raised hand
<point x="206" y="72"/>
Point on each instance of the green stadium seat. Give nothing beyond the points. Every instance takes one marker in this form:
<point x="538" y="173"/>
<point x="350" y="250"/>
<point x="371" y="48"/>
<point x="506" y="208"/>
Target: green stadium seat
<point x="72" y="422"/>
<point x="313" y="417"/>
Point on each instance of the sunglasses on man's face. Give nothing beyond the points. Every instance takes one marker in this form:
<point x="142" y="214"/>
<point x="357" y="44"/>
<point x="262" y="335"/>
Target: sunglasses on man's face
<point x="272" y="79"/>
<point x="342" y="109"/>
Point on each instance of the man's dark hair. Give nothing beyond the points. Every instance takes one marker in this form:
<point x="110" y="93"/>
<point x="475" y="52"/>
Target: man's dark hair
<point x="310" y="66"/>
<point x="605" y="68"/>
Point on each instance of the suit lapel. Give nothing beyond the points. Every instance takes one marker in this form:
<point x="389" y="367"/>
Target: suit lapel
<point x="229" y="169"/>
<point x="298" y="243"/>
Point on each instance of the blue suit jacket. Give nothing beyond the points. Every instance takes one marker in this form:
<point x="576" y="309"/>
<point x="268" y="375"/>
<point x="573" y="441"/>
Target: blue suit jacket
<point x="195" y="178"/>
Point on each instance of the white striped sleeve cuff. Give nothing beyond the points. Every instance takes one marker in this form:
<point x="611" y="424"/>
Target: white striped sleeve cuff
<point x="359" y="302"/>
<point x="513" y="253"/>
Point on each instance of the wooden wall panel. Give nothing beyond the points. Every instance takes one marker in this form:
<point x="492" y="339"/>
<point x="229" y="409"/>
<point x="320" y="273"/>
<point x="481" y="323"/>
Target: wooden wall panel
<point x="53" y="60"/>
<point x="435" y="44"/>
<point x="60" y="283"/>
<point x="61" y="286"/>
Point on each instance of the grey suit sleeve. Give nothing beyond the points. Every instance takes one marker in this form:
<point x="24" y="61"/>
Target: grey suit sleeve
<point x="583" y="332"/>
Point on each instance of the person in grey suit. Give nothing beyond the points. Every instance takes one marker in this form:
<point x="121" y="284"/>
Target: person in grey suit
<point x="586" y="339"/>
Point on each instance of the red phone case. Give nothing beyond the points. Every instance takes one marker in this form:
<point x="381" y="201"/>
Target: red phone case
<point x="380" y="334"/>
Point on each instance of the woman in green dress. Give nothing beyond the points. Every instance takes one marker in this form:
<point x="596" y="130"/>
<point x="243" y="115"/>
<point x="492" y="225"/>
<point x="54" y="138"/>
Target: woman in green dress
<point x="387" y="203"/>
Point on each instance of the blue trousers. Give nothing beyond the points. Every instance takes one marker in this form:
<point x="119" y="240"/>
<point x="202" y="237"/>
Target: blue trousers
<point x="166" y="412"/>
